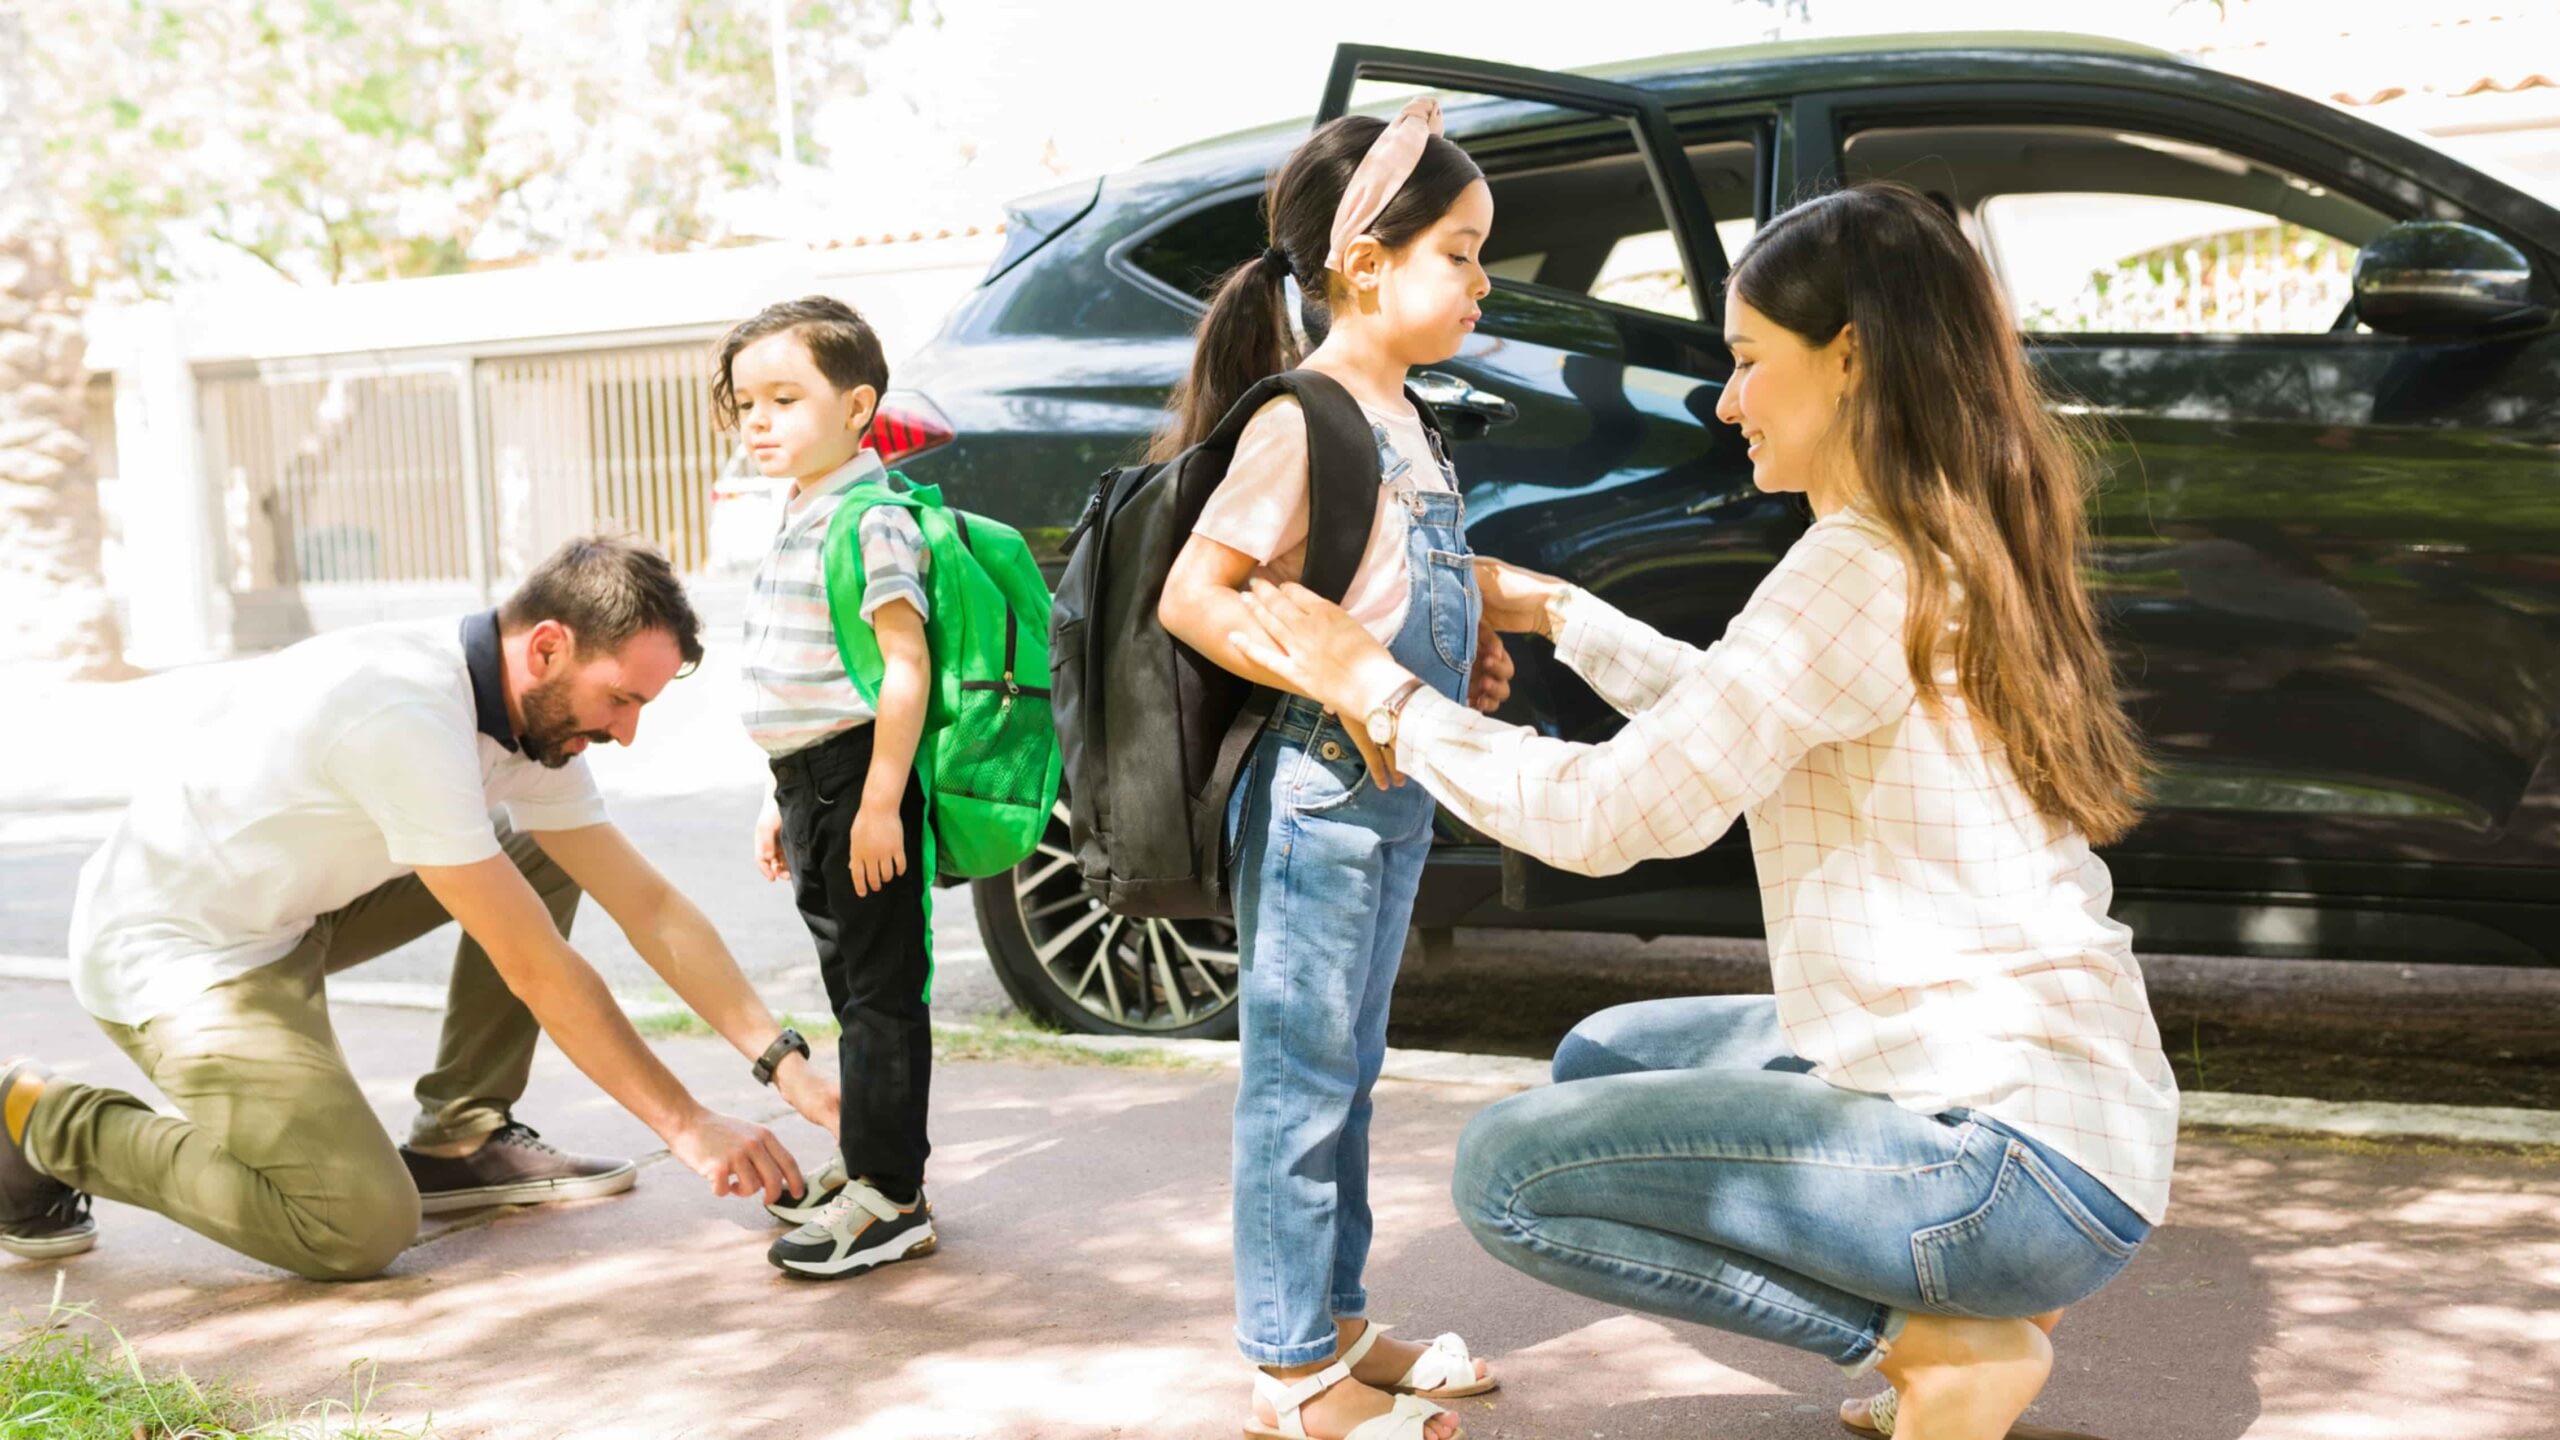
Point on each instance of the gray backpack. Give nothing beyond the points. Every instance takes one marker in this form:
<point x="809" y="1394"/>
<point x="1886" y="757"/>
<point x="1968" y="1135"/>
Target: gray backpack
<point x="1153" y="732"/>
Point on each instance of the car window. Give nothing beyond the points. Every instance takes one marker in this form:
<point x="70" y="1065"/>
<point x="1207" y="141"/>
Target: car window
<point x="1589" y="224"/>
<point x="2096" y="229"/>
<point x="1644" y="270"/>
<point x="1197" y="250"/>
<point x="1595" y="225"/>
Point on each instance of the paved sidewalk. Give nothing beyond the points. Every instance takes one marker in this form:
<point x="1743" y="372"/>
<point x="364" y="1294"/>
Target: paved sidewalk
<point x="2302" y="1289"/>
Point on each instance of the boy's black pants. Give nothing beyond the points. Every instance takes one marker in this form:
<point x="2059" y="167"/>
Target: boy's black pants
<point x="873" y="952"/>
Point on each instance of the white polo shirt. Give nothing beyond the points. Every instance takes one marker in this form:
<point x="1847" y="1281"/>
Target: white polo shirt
<point x="315" y="776"/>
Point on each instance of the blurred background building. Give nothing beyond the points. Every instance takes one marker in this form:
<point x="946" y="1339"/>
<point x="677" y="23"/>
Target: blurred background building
<point x="277" y="455"/>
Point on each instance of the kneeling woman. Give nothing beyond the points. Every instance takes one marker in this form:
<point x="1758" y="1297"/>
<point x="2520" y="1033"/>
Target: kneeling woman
<point x="1953" y="1118"/>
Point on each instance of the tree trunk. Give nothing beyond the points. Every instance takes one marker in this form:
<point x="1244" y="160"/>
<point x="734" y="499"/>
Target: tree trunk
<point x="54" y="613"/>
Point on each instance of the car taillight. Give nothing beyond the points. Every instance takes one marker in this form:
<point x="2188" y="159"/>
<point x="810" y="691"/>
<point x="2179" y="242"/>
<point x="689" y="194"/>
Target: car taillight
<point x="907" y="425"/>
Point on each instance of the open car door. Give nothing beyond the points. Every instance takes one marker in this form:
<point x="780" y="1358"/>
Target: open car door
<point x="1583" y="408"/>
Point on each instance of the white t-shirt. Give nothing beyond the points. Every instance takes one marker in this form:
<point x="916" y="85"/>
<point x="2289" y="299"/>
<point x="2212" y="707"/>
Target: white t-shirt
<point x="316" y="775"/>
<point x="1260" y="508"/>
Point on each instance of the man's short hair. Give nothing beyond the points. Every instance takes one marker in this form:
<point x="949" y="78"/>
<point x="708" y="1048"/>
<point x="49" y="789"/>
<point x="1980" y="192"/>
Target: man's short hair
<point x="606" y="589"/>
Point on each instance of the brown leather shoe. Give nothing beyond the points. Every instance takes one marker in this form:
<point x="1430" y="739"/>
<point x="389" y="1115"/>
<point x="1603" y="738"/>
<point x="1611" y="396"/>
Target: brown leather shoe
<point x="515" y="1166"/>
<point x="40" y="1217"/>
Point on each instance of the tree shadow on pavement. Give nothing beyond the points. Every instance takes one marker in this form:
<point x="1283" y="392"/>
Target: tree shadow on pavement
<point x="1083" y="1289"/>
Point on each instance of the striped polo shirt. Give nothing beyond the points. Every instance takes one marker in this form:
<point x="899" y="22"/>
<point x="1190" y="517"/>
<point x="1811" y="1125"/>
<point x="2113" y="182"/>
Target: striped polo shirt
<point x="797" y="692"/>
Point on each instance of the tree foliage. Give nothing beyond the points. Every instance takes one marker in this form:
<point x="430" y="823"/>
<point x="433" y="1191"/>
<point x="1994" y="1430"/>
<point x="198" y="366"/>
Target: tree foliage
<point x="339" y="140"/>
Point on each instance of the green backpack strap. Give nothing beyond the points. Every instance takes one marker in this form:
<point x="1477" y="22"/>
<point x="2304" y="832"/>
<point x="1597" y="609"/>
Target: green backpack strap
<point x="989" y="752"/>
<point x="859" y="647"/>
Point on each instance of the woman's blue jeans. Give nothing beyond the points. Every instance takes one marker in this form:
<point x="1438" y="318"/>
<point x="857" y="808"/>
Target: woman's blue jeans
<point x="1685" y="1163"/>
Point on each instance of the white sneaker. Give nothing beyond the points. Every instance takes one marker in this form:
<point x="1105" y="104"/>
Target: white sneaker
<point x="860" y="1229"/>
<point x="824" y="1182"/>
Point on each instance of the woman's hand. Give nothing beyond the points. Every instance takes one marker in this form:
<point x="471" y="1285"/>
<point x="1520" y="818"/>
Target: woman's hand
<point x="1313" y="648"/>
<point x="1518" y="601"/>
<point x="1489" y="683"/>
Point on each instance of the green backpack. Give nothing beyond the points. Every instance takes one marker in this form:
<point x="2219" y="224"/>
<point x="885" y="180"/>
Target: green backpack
<point x="988" y="757"/>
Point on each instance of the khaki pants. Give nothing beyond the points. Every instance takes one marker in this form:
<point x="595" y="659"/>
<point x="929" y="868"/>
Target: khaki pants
<point x="279" y="1155"/>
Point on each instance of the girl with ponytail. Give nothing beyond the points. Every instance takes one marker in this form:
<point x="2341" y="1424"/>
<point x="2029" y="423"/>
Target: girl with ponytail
<point x="1382" y="225"/>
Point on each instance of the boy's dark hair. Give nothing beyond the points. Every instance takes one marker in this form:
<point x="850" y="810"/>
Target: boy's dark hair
<point x="843" y="344"/>
<point x="606" y="589"/>
<point x="1245" y="335"/>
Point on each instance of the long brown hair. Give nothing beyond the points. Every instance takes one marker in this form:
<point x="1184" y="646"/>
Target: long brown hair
<point x="1245" y="335"/>
<point x="1959" y="457"/>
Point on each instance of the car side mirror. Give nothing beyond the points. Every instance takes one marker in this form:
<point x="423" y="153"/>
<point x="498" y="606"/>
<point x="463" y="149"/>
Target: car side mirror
<point x="2440" y="278"/>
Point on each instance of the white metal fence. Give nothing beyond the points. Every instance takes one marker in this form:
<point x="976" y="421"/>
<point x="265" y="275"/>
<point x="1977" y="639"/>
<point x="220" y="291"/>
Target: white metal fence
<point x="2270" y="280"/>
<point x="618" y="439"/>
<point x="455" y="473"/>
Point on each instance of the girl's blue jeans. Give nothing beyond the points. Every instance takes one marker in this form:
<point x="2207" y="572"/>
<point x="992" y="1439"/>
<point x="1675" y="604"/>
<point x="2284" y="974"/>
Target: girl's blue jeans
<point x="1323" y="933"/>
<point x="1685" y="1163"/>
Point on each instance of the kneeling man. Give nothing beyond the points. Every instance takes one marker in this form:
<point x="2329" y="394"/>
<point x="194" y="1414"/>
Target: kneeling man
<point x="341" y="800"/>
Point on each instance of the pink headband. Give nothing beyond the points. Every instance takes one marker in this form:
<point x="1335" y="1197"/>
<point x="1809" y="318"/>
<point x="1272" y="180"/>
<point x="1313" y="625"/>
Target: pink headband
<point x="1382" y="173"/>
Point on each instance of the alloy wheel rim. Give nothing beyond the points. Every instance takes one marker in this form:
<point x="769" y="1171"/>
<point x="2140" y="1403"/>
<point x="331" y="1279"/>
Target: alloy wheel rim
<point x="1136" y="974"/>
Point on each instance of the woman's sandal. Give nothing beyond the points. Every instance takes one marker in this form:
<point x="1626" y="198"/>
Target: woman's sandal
<point x="1881" y="1409"/>
<point x="1404" y="1422"/>
<point x="1444" y="1370"/>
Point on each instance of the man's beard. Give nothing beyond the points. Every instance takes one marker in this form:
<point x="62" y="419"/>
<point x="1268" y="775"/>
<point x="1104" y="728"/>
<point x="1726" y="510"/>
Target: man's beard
<point x="550" y="722"/>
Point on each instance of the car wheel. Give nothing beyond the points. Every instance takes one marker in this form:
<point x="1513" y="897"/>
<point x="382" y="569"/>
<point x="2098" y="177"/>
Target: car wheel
<point x="1068" y="961"/>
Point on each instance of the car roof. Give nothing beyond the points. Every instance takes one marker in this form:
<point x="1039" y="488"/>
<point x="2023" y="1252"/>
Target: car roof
<point x="2047" y="42"/>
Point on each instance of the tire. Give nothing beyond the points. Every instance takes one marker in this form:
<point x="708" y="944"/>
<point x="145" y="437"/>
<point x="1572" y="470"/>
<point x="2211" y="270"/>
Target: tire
<point x="1071" y="963"/>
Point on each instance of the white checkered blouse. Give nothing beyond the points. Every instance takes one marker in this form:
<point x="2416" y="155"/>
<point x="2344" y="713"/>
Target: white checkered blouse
<point x="1932" y="938"/>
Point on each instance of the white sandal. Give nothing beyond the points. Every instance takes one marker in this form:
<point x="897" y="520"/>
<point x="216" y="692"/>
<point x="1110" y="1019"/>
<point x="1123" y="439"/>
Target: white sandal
<point x="1404" y="1422"/>
<point x="1880" y="1414"/>
<point x="1883" y="1410"/>
<point x="1443" y="1371"/>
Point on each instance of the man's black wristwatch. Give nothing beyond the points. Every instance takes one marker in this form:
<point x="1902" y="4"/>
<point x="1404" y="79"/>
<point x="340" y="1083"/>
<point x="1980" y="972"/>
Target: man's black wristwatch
<point x="783" y="1044"/>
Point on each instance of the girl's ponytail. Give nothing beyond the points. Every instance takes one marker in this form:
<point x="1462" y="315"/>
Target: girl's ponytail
<point x="1246" y="336"/>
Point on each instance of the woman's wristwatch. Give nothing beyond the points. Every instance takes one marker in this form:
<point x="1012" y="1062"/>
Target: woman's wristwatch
<point x="1382" y="720"/>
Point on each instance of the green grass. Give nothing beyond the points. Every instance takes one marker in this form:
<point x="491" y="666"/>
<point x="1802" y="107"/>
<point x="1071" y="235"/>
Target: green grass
<point x="1016" y="1037"/>
<point x="1011" y="1036"/>
<point x="61" y="1384"/>
<point x="678" y="1023"/>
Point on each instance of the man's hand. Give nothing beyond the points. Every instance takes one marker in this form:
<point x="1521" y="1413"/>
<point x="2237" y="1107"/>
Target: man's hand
<point x="879" y="845"/>
<point x="737" y="1156"/>
<point x="813" y="1094"/>
<point x="1489" y="684"/>
<point x="769" y="855"/>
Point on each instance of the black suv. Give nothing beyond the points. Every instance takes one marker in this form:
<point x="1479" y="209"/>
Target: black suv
<point x="2321" y="357"/>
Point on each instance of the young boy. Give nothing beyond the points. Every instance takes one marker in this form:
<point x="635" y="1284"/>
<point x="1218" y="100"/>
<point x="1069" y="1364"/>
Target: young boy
<point x="845" y="821"/>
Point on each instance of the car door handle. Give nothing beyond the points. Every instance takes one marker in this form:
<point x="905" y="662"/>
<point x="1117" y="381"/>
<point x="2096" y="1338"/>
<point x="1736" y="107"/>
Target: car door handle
<point x="1444" y="392"/>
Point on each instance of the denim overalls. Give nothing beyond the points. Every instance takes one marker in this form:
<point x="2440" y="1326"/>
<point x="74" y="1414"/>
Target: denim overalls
<point x="1326" y="869"/>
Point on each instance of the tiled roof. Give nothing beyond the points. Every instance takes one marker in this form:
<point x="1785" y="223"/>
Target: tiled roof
<point x="2444" y="59"/>
<point x="892" y="237"/>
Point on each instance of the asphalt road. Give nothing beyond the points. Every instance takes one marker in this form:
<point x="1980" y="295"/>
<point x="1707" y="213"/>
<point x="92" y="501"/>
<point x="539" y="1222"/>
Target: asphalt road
<point x="688" y="791"/>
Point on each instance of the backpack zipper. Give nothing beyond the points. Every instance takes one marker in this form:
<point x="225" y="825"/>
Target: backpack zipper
<point x="1012" y="691"/>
